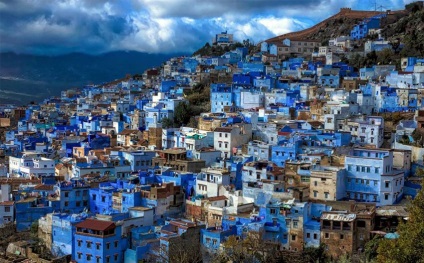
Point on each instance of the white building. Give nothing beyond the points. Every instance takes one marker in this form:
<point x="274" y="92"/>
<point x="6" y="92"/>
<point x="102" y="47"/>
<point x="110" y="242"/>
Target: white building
<point x="334" y="113"/>
<point x="223" y="39"/>
<point x="261" y="170"/>
<point x="210" y="180"/>
<point x="7" y="214"/>
<point x="31" y="165"/>
<point x="226" y="139"/>
<point x="368" y="131"/>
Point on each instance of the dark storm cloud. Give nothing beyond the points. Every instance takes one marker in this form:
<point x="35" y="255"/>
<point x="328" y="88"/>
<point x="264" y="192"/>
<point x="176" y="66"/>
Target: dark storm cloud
<point x="207" y="9"/>
<point x="96" y="26"/>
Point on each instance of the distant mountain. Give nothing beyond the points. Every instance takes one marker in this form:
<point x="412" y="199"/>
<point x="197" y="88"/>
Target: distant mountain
<point x="25" y="78"/>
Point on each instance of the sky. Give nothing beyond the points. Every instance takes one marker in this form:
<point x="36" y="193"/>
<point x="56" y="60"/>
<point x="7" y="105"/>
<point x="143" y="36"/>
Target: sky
<point x="156" y="26"/>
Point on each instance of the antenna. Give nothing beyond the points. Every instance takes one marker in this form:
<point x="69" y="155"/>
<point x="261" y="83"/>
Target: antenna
<point x="378" y="7"/>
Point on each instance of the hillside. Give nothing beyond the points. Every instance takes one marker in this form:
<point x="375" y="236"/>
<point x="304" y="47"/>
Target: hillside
<point x="408" y="30"/>
<point x="338" y="24"/>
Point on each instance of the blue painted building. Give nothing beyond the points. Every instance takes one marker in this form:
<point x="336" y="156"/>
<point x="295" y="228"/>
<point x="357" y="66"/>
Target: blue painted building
<point x="372" y="178"/>
<point x="211" y="238"/>
<point x="139" y="160"/>
<point x="73" y="196"/>
<point x="63" y="232"/>
<point x="285" y="150"/>
<point x="101" y="198"/>
<point x="221" y="96"/>
<point x="361" y="30"/>
<point x="98" y="241"/>
<point x="28" y="210"/>
<point x="143" y="240"/>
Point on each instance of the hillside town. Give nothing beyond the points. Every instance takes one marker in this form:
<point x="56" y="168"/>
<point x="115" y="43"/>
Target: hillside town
<point x="289" y="145"/>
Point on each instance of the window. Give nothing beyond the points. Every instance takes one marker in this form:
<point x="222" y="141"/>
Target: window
<point x="7" y="209"/>
<point x="220" y="134"/>
<point x="326" y="235"/>
<point x="308" y="235"/>
<point x="103" y="198"/>
<point x="66" y="194"/>
<point x="116" y="244"/>
<point x="88" y="244"/>
<point x="387" y="184"/>
<point x="368" y="169"/>
<point x="315" y="193"/>
<point x="315" y="236"/>
<point x="386" y="196"/>
<point x="77" y="193"/>
<point x="341" y="236"/>
<point x="79" y="242"/>
<point x="66" y="203"/>
<point x="107" y="259"/>
<point x="97" y="246"/>
<point x="295" y="223"/>
<point x="361" y="223"/>
<point x="357" y="168"/>
<point x="79" y="255"/>
<point x="377" y="170"/>
<point x="115" y="257"/>
<point x="273" y="211"/>
<point x="326" y="195"/>
<point x="98" y="259"/>
<point x="293" y="237"/>
<point x="88" y="257"/>
<point x="107" y="245"/>
<point x="94" y="197"/>
<point x="315" y="183"/>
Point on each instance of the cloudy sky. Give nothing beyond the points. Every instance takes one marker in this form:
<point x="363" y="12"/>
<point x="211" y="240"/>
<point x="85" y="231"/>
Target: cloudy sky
<point x="156" y="26"/>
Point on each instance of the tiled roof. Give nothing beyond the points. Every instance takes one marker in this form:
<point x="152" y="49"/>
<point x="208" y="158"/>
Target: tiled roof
<point x="223" y="129"/>
<point x="7" y="203"/>
<point x="127" y="132"/>
<point x="43" y="187"/>
<point x="95" y="224"/>
<point x="217" y="198"/>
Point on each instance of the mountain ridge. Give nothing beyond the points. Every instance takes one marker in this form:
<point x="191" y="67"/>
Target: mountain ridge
<point x="44" y="75"/>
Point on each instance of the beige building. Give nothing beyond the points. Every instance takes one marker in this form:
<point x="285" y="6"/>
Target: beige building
<point x="176" y="158"/>
<point x="327" y="183"/>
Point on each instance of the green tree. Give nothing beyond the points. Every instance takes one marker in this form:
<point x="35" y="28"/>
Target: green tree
<point x="167" y="123"/>
<point x="371" y="248"/>
<point x="419" y="172"/>
<point x="312" y="254"/>
<point x="182" y="114"/>
<point x="409" y="247"/>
